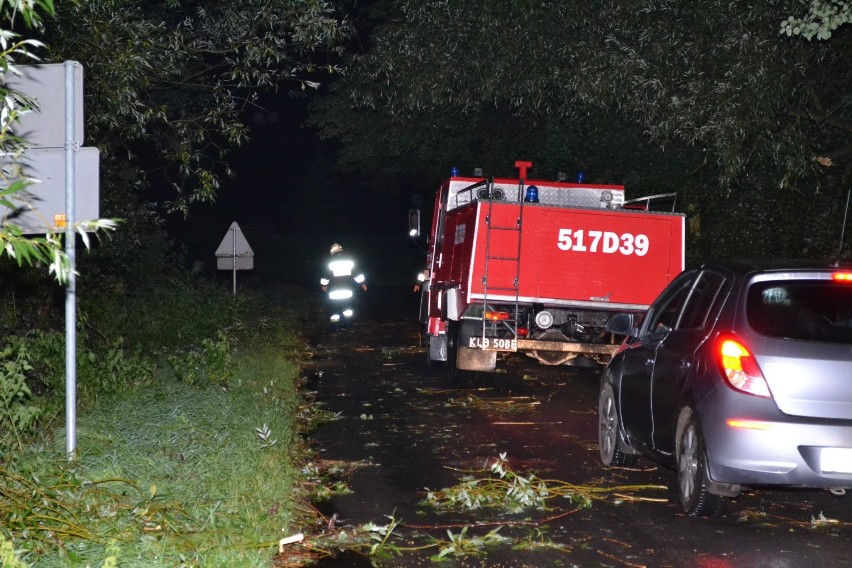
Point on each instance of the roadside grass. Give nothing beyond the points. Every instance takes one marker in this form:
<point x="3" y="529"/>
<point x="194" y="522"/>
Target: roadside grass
<point x="179" y="473"/>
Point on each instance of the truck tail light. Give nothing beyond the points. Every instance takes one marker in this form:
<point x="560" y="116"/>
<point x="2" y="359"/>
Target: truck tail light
<point x="496" y="315"/>
<point x="739" y="367"/>
<point x="842" y="277"/>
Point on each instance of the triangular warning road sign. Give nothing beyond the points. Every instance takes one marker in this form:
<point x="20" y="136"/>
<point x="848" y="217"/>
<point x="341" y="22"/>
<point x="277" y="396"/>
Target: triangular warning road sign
<point x="234" y="243"/>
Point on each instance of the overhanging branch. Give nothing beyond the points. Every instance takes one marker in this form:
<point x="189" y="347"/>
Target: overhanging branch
<point x="822" y="118"/>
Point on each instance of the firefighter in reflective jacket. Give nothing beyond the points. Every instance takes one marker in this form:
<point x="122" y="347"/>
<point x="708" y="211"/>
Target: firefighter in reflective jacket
<point x="339" y="283"/>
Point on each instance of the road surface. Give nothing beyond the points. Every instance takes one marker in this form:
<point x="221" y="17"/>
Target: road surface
<point x="405" y="430"/>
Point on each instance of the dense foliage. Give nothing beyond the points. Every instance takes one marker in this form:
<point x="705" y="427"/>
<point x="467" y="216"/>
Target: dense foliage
<point x="167" y="81"/>
<point x="167" y="85"/>
<point x="160" y="352"/>
<point x="711" y="99"/>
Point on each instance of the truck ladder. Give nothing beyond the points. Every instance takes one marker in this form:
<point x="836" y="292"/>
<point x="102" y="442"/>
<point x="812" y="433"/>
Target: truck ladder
<point x="514" y="261"/>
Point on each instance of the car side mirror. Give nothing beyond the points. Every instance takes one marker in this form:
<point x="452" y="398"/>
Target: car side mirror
<point x="620" y="324"/>
<point x="414" y="223"/>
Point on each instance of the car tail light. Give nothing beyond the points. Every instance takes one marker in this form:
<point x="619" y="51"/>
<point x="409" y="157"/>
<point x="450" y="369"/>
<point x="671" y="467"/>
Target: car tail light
<point x="739" y="367"/>
<point x="842" y="277"/>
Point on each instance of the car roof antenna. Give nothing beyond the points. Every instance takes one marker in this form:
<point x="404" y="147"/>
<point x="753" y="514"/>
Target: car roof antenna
<point x="842" y="230"/>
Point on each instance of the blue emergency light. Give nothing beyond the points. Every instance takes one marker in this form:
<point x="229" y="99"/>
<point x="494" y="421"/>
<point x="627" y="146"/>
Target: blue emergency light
<point x="531" y="196"/>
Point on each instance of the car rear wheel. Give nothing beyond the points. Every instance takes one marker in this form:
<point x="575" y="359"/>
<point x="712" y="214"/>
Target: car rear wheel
<point x="609" y="425"/>
<point x="694" y="498"/>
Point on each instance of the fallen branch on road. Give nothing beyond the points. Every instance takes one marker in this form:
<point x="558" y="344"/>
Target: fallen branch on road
<point x="503" y="523"/>
<point x="499" y="486"/>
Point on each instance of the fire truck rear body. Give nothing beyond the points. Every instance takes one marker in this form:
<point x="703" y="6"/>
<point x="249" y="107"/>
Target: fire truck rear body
<point x="540" y="278"/>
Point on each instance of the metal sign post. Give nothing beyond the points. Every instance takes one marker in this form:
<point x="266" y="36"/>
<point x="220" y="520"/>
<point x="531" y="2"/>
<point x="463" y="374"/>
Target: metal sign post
<point x="70" y="250"/>
<point x="234" y="253"/>
<point x="69" y="186"/>
<point x="234" y="258"/>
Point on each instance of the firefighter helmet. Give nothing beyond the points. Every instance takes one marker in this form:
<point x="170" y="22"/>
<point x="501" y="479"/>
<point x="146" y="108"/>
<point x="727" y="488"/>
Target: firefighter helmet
<point x="336" y="248"/>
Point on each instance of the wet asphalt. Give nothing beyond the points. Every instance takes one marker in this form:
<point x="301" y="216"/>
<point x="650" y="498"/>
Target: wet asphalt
<point x="403" y="429"/>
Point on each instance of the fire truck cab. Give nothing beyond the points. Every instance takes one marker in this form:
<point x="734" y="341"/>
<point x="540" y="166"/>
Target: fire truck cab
<point x="534" y="266"/>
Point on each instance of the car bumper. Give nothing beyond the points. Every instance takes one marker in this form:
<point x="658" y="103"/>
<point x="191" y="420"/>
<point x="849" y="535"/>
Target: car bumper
<point x="753" y="443"/>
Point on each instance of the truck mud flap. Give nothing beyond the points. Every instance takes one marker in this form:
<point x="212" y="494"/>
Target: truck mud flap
<point x="437" y="347"/>
<point x="476" y="359"/>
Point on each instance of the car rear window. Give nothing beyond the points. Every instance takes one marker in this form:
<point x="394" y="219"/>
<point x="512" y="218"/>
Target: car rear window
<point x="811" y="310"/>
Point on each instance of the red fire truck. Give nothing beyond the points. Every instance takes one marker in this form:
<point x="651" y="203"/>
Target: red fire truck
<point x="531" y="266"/>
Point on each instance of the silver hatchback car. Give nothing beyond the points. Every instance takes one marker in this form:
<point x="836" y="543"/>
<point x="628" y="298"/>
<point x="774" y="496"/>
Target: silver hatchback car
<point x="739" y="376"/>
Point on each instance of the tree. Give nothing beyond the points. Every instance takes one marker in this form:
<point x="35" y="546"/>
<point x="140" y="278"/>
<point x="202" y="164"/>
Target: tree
<point x="168" y="80"/>
<point x="167" y="83"/>
<point x="708" y="87"/>
<point x="823" y="18"/>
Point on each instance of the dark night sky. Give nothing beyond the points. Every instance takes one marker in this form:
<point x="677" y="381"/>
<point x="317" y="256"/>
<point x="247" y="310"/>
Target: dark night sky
<point x="291" y="206"/>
